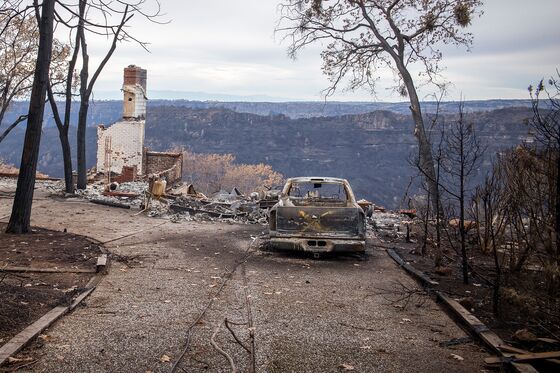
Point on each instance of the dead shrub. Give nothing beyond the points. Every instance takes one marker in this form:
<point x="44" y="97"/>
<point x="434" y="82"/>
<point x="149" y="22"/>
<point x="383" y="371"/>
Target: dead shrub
<point x="210" y="173"/>
<point x="524" y="303"/>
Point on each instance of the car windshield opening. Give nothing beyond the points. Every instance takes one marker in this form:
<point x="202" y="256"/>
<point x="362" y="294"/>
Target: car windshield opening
<point x="319" y="191"/>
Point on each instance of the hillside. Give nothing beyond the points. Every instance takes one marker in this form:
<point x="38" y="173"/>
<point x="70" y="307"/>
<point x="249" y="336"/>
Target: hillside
<point x="372" y="150"/>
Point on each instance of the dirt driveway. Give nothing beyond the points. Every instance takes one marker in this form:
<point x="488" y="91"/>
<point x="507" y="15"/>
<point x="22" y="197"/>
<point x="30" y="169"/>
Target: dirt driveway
<point x="306" y="315"/>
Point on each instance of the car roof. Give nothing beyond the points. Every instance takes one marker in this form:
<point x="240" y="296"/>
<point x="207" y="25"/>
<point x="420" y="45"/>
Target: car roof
<point x="315" y="179"/>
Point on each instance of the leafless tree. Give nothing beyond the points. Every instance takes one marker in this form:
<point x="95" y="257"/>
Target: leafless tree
<point x="436" y="137"/>
<point x="491" y="211"/>
<point x="63" y="123"/>
<point x="463" y="154"/>
<point x="546" y="126"/>
<point x="514" y="210"/>
<point x="92" y="17"/>
<point x="367" y="36"/>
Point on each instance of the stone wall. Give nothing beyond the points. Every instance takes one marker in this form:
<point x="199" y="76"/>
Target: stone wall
<point x="167" y="164"/>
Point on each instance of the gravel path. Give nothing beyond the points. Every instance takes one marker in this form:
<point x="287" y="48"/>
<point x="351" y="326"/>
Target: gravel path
<point x="330" y="315"/>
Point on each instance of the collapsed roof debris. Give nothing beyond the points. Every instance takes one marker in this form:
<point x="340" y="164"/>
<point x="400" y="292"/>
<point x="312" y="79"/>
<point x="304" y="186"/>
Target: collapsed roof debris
<point x="180" y="203"/>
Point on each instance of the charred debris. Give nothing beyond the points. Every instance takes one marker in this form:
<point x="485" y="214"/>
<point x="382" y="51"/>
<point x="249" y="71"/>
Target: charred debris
<point x="155" y="197"/>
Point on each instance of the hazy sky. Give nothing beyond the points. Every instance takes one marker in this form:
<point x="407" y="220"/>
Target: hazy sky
<point x="229" y="47"/>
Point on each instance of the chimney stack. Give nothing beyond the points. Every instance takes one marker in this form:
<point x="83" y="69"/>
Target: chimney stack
<point x="134" y="88"/>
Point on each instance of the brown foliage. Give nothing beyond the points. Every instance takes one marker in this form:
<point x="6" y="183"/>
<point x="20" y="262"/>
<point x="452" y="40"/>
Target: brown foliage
<point x="8" y="169"/>
<point x="250" y="177"/>
<point x="18" y="53"/>
<point x="211" y="173"/>
<point x="515" y="212"/>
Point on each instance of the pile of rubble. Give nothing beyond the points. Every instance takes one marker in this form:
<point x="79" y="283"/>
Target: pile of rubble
<point x="181" y="203"/>
<point x="223" y="206"/>
<point x="126" y="195"/>
<point x="389" y="225"/>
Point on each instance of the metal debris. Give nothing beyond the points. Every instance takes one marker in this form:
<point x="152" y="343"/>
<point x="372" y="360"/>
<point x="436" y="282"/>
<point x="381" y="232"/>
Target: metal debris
<point x="241" y="210"/>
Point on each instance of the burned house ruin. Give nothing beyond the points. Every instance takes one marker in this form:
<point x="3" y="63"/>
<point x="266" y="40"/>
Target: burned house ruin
<point x="120" y="147"/>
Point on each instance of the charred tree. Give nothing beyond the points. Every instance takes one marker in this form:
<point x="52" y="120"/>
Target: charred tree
<point x="86" y="88"/>
<point x="23" y="200"/>
<point x="463" y="154"/>
<point x="491" y="203"/>
<point x="546" y="126"/>
<point x="63" y="124"/>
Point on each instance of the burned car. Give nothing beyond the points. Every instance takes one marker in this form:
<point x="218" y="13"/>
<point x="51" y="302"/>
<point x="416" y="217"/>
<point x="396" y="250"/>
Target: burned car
<point x="317" y="214"/>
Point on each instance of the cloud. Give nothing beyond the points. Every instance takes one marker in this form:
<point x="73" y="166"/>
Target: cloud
<point x="229" y="47"/>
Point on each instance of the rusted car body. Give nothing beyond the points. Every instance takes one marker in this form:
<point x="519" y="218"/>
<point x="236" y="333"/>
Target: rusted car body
<point x="319" y="215"/>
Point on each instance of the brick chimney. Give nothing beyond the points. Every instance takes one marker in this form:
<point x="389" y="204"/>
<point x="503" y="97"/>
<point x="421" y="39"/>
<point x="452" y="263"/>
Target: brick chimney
<point x="134" y="88"/>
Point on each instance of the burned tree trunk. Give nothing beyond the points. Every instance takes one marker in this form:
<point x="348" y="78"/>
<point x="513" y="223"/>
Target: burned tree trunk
<point x="67" y="160"/>
<point x="82" y="117"/>
<point x="81" y="148"/>
<point x="557" y="203"/>
<point x="464" y="154"/>
<point x="63" y="124"/>
<point x="65" y="144"/>
<point x="23" y="200"/>
<point x="462" y="233"/>
<point x="498" y="269"/>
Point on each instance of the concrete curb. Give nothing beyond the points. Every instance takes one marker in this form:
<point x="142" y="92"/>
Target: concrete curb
<point x="419" y="275"/>
<point x="475" y="326"/>
<point x="19" y="341"/>
<point x="46" y="270"/>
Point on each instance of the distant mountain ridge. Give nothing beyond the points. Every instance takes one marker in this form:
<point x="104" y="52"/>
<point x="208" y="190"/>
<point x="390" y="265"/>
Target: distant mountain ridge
<point x="109" y="111"/>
